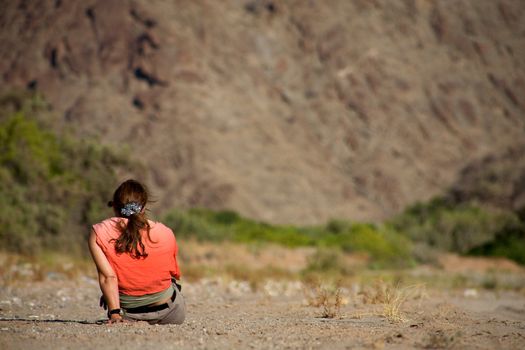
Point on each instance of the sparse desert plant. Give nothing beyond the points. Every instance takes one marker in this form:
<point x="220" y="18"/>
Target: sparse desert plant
<point x="397" y="296"/>
<point x="328" y="298"/>
<point x="392" y="297"/>
<point x="393" y="302"/>
<point x="376" y="294"/>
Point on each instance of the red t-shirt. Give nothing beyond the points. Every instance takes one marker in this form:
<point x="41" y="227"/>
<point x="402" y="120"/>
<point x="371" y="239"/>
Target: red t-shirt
<point x="145" y="275"/>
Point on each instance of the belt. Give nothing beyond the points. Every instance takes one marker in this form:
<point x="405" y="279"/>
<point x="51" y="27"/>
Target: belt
<point x="153" y="308"/>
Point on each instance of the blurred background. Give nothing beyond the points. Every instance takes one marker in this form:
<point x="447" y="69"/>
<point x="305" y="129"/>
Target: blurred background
<point x="374" y="133"/>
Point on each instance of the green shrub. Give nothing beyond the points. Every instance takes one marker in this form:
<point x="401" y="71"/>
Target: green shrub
<point x="327" y="261"/>
<point x="53" y="186"/>
<point x="195" y="223"/>
<point x="385" y="246"/>
<point x="29" y="152"/>
<point x="509" y="242"/>
<point x="451" y="227"/>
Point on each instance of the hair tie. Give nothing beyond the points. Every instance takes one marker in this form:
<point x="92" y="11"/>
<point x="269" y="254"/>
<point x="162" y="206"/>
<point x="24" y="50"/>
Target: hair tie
<point x="130" y="209"/>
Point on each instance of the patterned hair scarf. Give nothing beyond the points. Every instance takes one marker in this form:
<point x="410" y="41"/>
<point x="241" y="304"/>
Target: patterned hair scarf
<point x="130" y="209"/>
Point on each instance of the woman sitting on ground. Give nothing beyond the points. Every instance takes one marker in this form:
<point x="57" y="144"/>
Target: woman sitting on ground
<point x="136" y="260"/>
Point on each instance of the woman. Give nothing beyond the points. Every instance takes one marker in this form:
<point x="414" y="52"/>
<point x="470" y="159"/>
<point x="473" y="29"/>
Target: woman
<point x="136" y="262"/>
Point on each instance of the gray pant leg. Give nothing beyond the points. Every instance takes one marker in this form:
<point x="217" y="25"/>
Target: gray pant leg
<point x="174" y="314"/>
<point x="176" y="311"/>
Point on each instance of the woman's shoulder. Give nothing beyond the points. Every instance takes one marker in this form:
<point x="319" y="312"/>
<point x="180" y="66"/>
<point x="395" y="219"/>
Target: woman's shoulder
<point x="109" y="224"/>
<point x="161" y="231"/>
<point x="158" y="226"/>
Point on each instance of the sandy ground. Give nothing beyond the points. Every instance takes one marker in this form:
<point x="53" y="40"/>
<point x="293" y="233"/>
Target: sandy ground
<point x="64" y="314"/>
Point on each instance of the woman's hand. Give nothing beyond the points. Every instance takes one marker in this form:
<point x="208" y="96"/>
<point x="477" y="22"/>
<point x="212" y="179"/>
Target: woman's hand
<point x="115" y="318"/>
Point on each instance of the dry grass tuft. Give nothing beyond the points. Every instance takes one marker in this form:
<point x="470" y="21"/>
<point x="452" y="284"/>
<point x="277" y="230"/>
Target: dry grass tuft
<point x="328" y="297"/>
<point x="393" y="303"/>
<point x="392" y="297"/>
<point x="377" y="294"/>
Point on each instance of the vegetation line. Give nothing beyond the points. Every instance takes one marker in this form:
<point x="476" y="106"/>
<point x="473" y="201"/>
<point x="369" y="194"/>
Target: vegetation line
<point x="54" y="187"/>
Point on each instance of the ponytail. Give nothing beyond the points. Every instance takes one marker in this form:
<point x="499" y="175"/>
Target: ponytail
<point x="130" y="239"/>
<point x="129" y="201"/>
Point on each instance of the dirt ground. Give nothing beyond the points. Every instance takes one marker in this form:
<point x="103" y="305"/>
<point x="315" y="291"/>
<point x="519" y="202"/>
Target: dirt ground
<point x="61" y="313"/>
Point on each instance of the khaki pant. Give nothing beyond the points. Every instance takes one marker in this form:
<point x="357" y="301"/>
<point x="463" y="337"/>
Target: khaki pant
<point x="174" y="314"/>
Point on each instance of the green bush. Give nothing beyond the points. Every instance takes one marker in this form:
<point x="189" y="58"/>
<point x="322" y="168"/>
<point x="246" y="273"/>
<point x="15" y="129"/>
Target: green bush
<point x="327" y="261"/>
<point x="196" y="223"/>
<point x="53" y="186"/>
<point x="385" y="246"/>
<point x="509" y="242"/>
<point x="451" y="227"/>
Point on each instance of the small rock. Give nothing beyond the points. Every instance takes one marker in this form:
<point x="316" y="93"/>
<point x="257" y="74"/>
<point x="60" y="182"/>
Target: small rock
<point x="55" y="276"/>
<point x="470" y="293"/>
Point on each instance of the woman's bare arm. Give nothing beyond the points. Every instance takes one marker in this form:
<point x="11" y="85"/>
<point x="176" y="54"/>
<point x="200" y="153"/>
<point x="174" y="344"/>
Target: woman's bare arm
<point x="106" y="276"/>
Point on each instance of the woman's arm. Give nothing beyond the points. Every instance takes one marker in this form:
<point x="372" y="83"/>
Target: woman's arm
<point x="106" y="277"/>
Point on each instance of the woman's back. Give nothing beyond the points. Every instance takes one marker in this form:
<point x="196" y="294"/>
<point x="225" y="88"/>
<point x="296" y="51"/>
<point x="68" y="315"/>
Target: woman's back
<point x="145" y="275"/>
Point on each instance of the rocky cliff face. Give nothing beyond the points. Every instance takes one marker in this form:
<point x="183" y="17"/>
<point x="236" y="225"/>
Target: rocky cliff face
<point x="287" y="111"/>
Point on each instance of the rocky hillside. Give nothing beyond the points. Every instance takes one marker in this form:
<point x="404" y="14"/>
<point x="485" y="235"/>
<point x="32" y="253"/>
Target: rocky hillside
<point x="287" y="111"/>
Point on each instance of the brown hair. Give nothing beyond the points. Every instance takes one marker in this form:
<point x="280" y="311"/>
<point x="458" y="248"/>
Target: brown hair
<point x="130" y="239"/>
